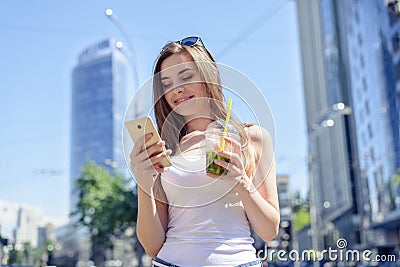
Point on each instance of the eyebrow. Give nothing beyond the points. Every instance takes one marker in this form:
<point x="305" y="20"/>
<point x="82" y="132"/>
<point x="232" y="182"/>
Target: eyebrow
<point x="180" y="72"/>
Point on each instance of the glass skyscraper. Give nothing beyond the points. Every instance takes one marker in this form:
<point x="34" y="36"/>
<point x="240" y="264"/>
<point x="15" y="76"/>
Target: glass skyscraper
<point x="375" y="112"/>
<point x="330" y="124"/>
<point x="100" y="83"/>
<point x="347" y="53"/>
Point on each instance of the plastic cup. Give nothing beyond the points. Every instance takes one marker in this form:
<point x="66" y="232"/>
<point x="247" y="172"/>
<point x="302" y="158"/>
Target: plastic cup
<point x="214" y="136"/>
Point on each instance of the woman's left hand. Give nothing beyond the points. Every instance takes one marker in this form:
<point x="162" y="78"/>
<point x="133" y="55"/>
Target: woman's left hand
<point x="236" y="169"/>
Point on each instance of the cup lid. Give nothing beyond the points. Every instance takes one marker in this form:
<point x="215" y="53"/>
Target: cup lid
<point x="217" y="128"/>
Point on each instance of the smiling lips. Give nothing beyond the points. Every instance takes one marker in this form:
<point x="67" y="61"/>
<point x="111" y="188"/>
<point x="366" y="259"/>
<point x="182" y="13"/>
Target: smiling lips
<point x="182" y="99"/>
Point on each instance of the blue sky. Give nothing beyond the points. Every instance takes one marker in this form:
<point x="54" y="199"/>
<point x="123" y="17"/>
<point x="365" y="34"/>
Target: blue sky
<point x="42" y="39"/>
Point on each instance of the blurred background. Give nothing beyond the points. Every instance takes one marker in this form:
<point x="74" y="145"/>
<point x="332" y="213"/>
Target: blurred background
<point x="329" y="70"/>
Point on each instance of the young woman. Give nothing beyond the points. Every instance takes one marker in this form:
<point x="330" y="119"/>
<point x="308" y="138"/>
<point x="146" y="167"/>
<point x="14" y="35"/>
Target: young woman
<point x="181" y="221"/>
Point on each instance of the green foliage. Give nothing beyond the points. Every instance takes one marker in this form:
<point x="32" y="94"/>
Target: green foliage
<point x="391" y="186"/>
<point x="396" y="178"/>
<point x="301" y="219"/>
<point x="15" y="256"/>
<point x="106" y="206"/>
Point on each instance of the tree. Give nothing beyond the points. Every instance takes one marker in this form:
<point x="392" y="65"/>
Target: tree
<point x="107" y="206"/>
<point x="301" y="219"/>
<point x="301" y="212"/>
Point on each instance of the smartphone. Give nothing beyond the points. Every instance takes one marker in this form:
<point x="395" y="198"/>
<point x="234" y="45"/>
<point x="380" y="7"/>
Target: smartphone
<point x="142" y="126"/>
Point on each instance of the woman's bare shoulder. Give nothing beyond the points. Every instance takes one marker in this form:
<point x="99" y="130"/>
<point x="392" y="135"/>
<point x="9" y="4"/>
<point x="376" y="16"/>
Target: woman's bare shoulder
<point x="258" y="134"/>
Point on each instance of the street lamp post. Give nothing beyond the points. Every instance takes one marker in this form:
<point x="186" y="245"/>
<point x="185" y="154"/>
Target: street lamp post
<point x="313" y="210"/>
<point x="131" y="52"/>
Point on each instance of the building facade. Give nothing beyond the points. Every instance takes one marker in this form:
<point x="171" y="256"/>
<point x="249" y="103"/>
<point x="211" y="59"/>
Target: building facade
<point x="100" y="84"/>
<point x="72" y="245"/>
<point x="348" y="60"/>
<point x="285" y="235"/>
<point x="330" y="125"/>
<point x="28" y="222"/>
<point x="375" y="112"/>
<point x="383" y="162"/>
<point x="8" y="219"/>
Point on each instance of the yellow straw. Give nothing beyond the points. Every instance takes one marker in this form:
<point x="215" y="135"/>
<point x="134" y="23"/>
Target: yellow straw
<point x="228" y="114"/>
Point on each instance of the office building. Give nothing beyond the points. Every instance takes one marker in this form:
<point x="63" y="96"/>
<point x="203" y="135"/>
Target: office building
<point x="100" y="83"/>
<point x="352" y="119"/>
<point x="28" y="222"/>
<point x="8" y="219"/>
<point x="72" y="245"/>
<point x="330" y="124"/>
<point x="46" y="235"/>
<point x="382" y="155"/>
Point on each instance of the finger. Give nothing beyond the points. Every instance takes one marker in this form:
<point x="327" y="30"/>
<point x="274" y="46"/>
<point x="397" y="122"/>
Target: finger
<point x="146" y="166"/>
<point x="222" y="163"/>
<point x="140" y="166"/>
<point x="232" y="169"/>
<point x="154" y="149"/>
<point x="137" y="158"/>
<point x="151" y="151"/>
<point x="139" y="144"/>
<point x="234" y="158"/>
<point x="159" y="164"/>
<point x="161" y="169"/>
<point x="236" y="144"/>
<point x="152" y="163"/>
<point x="157" y="158"/>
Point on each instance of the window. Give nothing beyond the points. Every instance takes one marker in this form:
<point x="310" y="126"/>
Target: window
<point x="362" y="61"/>
<point x="360" y="40"/>
<point x="363" y="139"/>
<point x="360" y="115"/>
<point x="370" y="134"/>
<point x="393" y="19"/>
<point x="365" y="85"/>
<point x="397" y="70"/>
<point x="357" y="15"/>
<point x="372" y="154"/>
<point x="395" y="42"/>
<point x="367" y="106"/>
<point x="359" y="94"/>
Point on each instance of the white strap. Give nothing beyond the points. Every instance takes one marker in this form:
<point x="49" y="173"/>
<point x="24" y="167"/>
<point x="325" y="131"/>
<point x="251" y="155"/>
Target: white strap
<point x="159" y="264"/>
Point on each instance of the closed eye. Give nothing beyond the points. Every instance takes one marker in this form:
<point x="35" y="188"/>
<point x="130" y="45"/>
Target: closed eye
<point x="166" y="85"/>
<point x="188" y="77"/>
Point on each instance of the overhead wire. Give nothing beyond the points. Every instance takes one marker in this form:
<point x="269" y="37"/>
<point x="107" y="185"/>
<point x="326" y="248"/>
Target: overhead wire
<point x="260" y="21"/>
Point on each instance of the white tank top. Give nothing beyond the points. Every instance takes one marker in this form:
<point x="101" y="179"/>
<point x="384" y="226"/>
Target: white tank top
<point x="207" y="223"/>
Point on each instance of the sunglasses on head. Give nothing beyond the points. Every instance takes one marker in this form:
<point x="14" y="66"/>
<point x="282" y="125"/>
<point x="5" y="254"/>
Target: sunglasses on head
<point x="191" y="41"/>
<point x="188" y="41"/>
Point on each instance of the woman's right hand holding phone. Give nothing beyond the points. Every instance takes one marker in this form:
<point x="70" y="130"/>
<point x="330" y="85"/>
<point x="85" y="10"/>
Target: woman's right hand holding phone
<point x="145" y="162"/>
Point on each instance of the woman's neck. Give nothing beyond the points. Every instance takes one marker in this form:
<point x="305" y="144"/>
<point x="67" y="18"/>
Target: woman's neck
<point x="198" y="124"/>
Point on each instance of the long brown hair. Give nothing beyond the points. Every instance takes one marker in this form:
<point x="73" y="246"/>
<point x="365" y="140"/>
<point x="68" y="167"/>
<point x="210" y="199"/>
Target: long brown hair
<point x="170" y="123"/>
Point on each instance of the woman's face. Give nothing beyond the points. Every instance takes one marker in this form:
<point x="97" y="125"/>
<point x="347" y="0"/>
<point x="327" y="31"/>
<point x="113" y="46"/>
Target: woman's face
<point x="183" y="86"/>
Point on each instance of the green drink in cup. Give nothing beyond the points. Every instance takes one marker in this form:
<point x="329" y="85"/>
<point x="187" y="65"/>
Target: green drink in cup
<point x="212" y="167"/>
<point x="214" y="135"/>
<point x="215" y="142"/>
